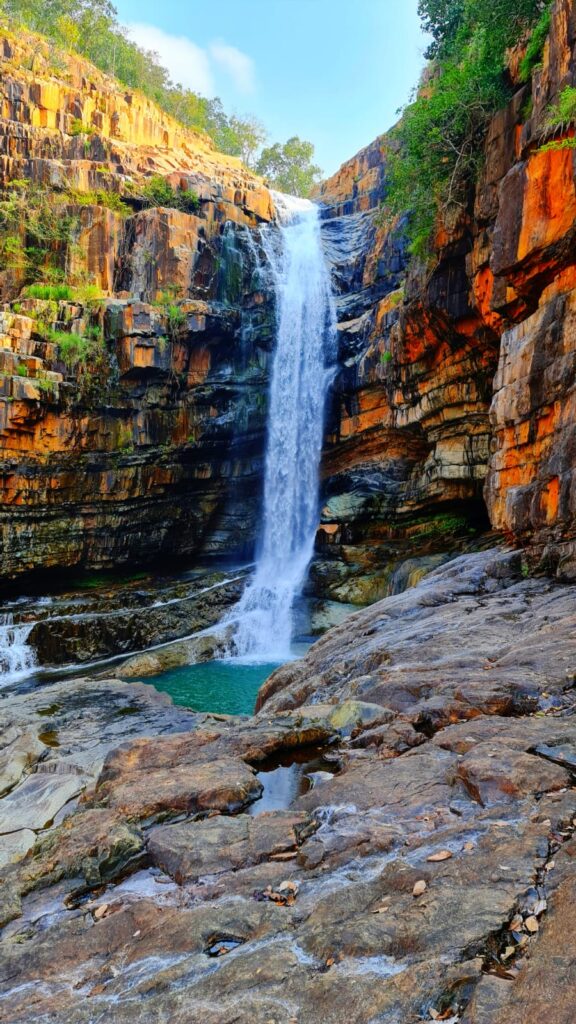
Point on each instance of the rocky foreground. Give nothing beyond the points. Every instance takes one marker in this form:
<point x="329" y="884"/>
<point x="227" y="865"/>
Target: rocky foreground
<point x="429" y="872"/>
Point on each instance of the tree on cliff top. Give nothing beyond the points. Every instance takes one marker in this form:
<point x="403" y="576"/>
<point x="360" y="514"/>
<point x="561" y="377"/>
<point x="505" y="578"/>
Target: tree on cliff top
<point x="289" y="167"/>
<point x="91" y="28"/>
<point x="439" y="139"/>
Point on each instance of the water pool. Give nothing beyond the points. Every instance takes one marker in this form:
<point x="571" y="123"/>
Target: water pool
<point x="221" y="687"/>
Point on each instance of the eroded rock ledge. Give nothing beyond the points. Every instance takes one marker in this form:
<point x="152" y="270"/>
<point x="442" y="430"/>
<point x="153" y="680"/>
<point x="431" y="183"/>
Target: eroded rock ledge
<point x="448" y="713"/>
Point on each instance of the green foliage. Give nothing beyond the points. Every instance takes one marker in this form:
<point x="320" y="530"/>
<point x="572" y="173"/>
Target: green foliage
<point x="159" y="192"/>
<point x="443" y="525"/>
<point x="555" y="144"/>
<point x="44" y="384"/>
<point x="100" y="197"/>
<point x="289" y="167"/>
<point x="21" y="370"/>
<point x="385" y="358"/>
<point x="238" y="136"/>
<point x="563" y="113"/>
<point x="79" y="128"/>
<point x="77" y="350"/>
<point x="536" y="44"/>
<point x="34" y="237"/>
<point x="55" y="292"/>
<point x="175" y="316"/>
<point x="436" y="149"/>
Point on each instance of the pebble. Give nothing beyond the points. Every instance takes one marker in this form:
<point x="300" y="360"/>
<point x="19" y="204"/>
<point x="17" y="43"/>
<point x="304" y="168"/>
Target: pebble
<point x="420" y="888"/>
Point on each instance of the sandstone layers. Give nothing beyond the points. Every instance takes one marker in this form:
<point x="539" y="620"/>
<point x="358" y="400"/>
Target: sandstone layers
<point x="456" y="391"/>
<point x="453" y="408"/>
<point x="158" y="454"/>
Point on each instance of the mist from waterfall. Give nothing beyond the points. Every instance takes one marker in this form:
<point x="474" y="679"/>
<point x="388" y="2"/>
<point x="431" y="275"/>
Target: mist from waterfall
<point x="301" y="373"/>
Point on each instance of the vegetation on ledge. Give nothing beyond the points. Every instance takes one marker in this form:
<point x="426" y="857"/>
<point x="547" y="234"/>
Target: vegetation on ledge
<point x="437" y="146"/>
<point x="91" y="28"/>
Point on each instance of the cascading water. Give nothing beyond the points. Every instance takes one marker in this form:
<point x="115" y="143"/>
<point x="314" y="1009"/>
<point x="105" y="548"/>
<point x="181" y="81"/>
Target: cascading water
<point x="301" y="373"/>
<point x="17" y="658"/>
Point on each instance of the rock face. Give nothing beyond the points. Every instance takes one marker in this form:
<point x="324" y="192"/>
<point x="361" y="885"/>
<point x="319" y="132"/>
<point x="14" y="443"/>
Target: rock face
<point x="455" y="395"/>
<point x="431" y="877"/>
<point x="154" y="449"/>
<point x="453" y="406"/>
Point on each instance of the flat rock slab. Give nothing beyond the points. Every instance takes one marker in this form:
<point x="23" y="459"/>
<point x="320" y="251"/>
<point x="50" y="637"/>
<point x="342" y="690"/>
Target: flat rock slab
<point x="219" y="844"/>
<point x="19" y="750"/>
<point x="15" y="846"/>
<point x="226" y="784"/>
<point x="36" y="801"/>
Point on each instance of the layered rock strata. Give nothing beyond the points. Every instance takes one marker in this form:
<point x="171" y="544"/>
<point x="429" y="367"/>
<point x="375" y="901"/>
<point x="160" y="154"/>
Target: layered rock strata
<point x="457" y="381"/>
<point x="151" y="449"/>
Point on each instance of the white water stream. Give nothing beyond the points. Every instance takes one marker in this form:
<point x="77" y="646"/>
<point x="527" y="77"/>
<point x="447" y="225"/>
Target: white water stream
<point x="301" y="373"/>
<point x="17" y="658"/>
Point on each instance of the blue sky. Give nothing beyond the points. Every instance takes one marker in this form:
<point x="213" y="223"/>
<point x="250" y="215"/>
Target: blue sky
<point x="332" y="71"/>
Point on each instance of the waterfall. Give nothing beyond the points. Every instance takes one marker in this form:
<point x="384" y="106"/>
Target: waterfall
<point x="262" y="620"/>
<point x="17" y="659"/>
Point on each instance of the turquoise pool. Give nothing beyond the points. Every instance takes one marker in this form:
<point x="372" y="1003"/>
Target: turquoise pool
<point x="221" y="687"/>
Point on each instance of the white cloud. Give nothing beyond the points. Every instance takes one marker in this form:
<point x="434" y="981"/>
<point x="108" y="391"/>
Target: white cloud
<point x="187" y="63"/>
<point x="194" y="67"/>
<point x="239" y="66"/>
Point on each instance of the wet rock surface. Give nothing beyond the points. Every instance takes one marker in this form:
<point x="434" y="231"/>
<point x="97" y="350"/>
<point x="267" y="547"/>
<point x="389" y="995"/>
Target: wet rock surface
<point x="432" y="877"/>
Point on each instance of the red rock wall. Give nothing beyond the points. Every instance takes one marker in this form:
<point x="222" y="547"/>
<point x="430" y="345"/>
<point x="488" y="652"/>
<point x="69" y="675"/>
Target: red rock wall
<point x="154" y="451"/>
<point x="463" y="383"/>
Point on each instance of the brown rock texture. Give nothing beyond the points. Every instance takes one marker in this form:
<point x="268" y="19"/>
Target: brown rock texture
<point x="154" y="449"/>
<point x="425" y="877"/>
<point x="456" y="388"/>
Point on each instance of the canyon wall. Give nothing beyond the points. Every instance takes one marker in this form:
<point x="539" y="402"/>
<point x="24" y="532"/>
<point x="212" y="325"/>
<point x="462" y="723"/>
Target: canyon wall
<point x="153" y="449"/>
<point x="453" y="408"/>
<point x="456" y="391"/>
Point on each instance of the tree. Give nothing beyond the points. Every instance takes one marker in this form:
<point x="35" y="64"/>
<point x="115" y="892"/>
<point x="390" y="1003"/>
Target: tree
<point x="437" y="146"/>
<point x="238" y="136"/>
<point x="289" y="167"/>
<point x="249" y="134"/>
<point x="91" y="28"/>
<point x="440" y="19"/>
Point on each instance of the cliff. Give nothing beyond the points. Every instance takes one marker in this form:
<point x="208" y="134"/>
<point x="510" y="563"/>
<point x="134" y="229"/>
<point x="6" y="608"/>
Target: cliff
<point x="149" y="448"/>
<point x="456" y="393"/>
<point x="453" y="408"/>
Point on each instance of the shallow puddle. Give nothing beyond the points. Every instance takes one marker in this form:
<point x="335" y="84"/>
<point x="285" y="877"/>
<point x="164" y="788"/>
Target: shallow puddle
<point x="285" y="779"/>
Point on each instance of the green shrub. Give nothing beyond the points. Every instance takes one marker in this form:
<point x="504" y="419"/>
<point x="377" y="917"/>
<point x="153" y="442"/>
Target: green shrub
<point x="166" y="302"/>
<point x="76" y="350"/>
<point x="45" y="385"/>
<point x="34" y="234"/>
<point x="159" y="192"/>
<point x="21" y="370"/>
<point x="557" y="144"/>
<point x="79" y="128"/>
<point x="563" y="113"/>
<point x="436" y="150"/>
<point x="56" y="292"/>
<point x="100" y="197"/>
<point x="90" y="295"/>
<point x="535" y="48"/>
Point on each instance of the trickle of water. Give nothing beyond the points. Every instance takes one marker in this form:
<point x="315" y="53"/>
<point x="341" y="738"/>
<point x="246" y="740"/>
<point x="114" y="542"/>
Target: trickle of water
<point x="301" y="374"/>
<point x="17" y="658"/>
